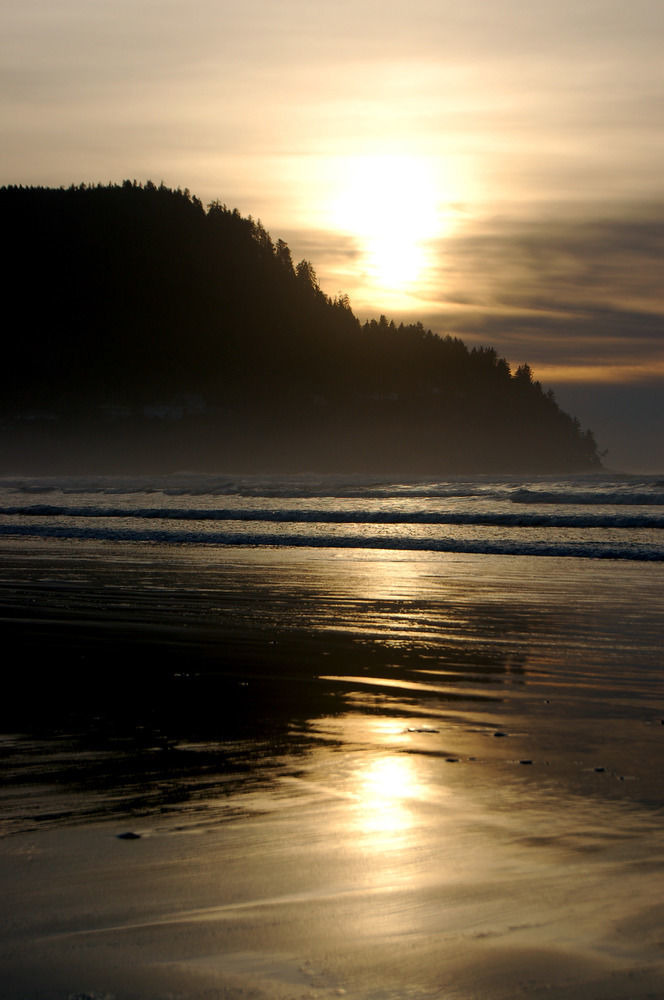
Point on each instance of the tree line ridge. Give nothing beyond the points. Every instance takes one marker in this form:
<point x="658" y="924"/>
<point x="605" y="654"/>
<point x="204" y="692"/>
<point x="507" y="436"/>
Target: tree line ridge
<point x="149" y="329"/>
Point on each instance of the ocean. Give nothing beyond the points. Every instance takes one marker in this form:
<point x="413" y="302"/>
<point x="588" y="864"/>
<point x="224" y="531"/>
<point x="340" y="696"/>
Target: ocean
<point x="372" y="738"/>
<point x="594" y="517"/>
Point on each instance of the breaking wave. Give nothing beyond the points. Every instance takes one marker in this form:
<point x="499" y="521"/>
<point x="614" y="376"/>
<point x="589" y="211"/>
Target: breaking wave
<point x="590" y="550"/>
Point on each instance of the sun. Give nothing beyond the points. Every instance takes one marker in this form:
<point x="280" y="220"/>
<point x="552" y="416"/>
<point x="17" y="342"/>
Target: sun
<point x="390" y="203"/>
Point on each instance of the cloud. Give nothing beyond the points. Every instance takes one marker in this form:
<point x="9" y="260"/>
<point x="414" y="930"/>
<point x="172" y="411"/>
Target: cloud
<point x="570" y="288"/>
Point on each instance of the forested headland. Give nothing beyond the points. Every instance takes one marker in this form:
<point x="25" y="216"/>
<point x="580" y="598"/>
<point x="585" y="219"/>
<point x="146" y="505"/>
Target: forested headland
<point x="145" y="332"/>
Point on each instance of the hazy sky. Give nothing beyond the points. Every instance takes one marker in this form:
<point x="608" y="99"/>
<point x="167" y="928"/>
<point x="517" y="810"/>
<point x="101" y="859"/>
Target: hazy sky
<point x="493" y="169"/>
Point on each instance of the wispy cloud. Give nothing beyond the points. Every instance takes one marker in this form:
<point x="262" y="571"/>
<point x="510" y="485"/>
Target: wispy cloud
<point x="572" y="290"/>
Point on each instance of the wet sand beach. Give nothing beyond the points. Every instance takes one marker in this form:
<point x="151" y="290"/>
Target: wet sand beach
<point x="380" y="775"/>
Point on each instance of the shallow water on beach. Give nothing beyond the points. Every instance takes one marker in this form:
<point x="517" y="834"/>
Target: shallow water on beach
<point x="365" y="772"/>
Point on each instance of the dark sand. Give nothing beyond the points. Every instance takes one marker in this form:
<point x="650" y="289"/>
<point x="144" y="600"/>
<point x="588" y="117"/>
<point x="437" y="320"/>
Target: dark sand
<point x="414" y="778"/>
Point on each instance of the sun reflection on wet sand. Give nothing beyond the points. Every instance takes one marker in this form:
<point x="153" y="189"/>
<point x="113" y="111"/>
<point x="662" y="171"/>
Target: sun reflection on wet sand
<point x="385" y="789"/>
<point x="366" y="824"/>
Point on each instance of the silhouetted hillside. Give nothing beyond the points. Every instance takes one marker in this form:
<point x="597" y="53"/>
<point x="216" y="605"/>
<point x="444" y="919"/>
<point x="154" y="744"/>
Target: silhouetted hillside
<point x="144" y="331"/>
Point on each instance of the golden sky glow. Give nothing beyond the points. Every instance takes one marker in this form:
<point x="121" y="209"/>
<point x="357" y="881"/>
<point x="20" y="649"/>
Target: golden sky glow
<point x="491" y="169"/>
<point x="393" y="206"/>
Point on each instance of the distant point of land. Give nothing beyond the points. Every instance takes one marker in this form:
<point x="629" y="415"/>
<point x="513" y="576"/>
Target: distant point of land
<point x="151" y="333"/>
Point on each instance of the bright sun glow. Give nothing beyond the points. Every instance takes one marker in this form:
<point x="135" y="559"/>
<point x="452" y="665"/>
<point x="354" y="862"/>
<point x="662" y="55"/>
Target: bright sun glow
<point x="392" y="205"/>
